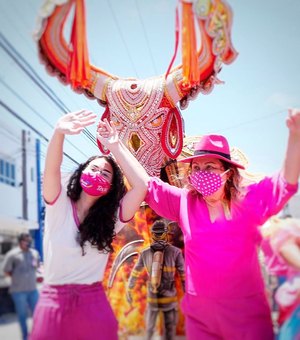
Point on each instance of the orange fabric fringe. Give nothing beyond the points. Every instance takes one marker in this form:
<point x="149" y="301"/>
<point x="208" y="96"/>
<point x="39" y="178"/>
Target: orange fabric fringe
<point x="190" y="69"/>
<point x="79" y="66"/>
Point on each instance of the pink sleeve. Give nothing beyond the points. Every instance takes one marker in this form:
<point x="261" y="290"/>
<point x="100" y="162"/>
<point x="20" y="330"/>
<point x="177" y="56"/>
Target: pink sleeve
<point x="164" y="199"/>
<point x="270" y="195"/>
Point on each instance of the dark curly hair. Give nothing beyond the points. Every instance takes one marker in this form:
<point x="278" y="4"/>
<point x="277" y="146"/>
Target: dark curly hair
<point x="98" y="226"/>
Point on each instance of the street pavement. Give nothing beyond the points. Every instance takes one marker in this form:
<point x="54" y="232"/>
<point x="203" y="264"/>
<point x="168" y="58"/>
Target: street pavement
<point x="9" y="327"/>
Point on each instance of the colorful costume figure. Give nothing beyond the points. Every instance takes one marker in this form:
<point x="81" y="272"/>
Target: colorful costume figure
<point x="161" y="260"/>
<point x="145" y="111"/>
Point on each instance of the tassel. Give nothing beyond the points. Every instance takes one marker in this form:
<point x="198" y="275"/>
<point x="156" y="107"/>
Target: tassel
<point x="176" y="42"/>
<point x="190" y="69"/>
<point x="79" y="67"/>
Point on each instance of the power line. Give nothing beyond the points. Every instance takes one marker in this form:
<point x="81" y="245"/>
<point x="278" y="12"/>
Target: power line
<point x="9" y="135"/>
<point x="252" y="121"/>
<point x="24" y="102"/>
<point x="31" y="127"/>
<point x="34" y="111"/>
<point x="146" y="37"/>
<point x="17" y="57"/>
<point x="122" y="37"/>
<point x="33" y="51"/>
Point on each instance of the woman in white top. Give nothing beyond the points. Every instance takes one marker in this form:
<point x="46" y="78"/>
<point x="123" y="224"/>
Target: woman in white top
<point x="81" y="221"/>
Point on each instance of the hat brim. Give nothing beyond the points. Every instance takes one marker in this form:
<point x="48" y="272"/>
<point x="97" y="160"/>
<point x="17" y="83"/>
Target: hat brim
<point x="212" y="155"/>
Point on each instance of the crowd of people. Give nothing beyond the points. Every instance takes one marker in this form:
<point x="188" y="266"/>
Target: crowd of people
<point x="220" y="219"/>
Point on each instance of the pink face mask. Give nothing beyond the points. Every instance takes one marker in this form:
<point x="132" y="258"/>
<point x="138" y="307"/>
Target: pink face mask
<point x="206" y="182"/>
<point x="94" y="184"/>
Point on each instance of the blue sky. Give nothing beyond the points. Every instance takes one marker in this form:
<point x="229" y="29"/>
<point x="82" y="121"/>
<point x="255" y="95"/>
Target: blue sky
<point x="135" y="38"/>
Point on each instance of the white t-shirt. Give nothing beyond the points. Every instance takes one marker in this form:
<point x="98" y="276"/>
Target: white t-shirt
<point x="63" y="260"/>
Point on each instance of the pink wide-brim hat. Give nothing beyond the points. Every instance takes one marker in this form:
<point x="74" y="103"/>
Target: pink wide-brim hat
<point x="215" y="146"/>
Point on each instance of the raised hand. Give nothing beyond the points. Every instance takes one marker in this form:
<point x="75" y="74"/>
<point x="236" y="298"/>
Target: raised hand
<point x="293" y="121"/>
<point x="291" y="165"/>
<point x="74" y="122"/>
<point x="107" y="133"/>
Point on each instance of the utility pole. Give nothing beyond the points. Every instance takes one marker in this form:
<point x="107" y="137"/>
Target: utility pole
<point x="39" y="233"/>
<point x="24" y="178"/>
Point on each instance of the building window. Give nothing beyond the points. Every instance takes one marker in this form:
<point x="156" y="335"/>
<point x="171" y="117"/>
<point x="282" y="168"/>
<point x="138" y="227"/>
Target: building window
<point x="7" y="172"/>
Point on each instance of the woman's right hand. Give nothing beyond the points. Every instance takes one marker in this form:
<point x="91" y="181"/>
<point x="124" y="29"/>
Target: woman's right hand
<point x="73" y="123"/>
<point x="107" y="133"/>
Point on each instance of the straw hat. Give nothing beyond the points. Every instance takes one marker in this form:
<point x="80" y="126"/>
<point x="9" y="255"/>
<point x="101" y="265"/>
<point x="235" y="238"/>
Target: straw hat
<point x="215" y="146"/>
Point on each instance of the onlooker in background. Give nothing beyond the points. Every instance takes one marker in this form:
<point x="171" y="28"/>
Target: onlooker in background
<point x="20" y="264"/>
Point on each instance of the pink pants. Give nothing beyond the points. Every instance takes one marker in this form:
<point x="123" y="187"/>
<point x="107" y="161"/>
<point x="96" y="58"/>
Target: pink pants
<point x="74" y="312"/>
<point x="227" y="319"/>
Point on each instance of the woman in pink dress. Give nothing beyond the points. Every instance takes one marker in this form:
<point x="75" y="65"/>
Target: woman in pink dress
<point x="225" y="296"/>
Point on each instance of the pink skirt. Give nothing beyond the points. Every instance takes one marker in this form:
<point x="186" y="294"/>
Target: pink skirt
<point x="245" y="318"/>
<point x="74" y="312"/>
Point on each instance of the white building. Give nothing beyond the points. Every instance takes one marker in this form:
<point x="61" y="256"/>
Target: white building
<point x="19" y="185"/>
<point x="18" y="177"/>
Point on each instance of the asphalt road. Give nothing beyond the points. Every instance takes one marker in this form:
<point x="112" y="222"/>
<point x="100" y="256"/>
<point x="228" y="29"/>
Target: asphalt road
<point x="9" y="327"/>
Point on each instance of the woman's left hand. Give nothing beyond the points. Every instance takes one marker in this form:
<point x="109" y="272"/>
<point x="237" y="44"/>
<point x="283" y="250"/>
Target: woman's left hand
<point x="107" y="133"/>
